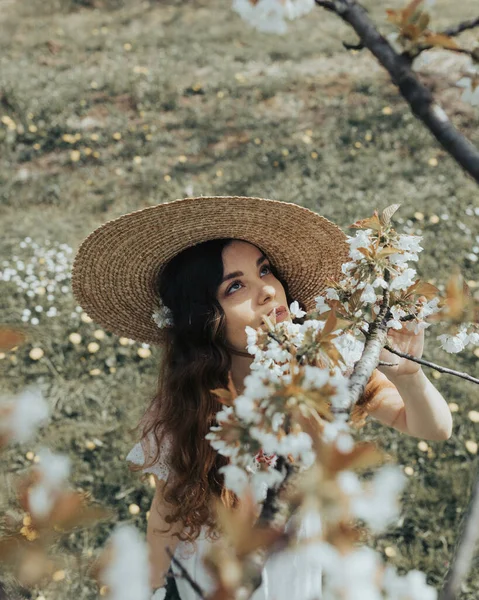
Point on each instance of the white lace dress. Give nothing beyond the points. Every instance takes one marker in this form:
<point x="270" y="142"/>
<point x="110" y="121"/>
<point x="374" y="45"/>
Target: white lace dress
<point x="290" y="574"/>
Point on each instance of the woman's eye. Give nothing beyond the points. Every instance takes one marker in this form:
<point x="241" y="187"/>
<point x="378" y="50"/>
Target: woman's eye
<point x="231" y="288"/>
<point x="266" y="267"/>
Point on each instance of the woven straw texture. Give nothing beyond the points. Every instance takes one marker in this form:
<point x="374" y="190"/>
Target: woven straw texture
<point x="117" y="265"/>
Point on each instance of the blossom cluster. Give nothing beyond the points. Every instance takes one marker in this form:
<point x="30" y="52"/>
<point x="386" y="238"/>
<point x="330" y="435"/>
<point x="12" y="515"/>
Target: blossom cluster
<point x="41" y="276"/>
<point x="380" y="261"/>
<point x="37" y="279"/>
<point x="301" y="369"/>
<point x="295" y="402"/>
<point x="21" y="415"/>
<point x="50" y="507"/>
<point x="360" y="574"/>
<point x="279" y="392"/>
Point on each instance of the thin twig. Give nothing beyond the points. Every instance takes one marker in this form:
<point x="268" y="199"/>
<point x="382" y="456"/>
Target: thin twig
<point x="185" y="574"/>
<point x="412" y="54"/>
<point x="381" y="363"/>
<point x="457" y="29"/>
<point x="428" y="363"/>
<point x="464" y="552"/>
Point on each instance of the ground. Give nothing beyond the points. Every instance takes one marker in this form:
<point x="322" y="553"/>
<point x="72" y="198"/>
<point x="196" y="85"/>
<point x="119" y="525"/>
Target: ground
<point x="114" y="106"/>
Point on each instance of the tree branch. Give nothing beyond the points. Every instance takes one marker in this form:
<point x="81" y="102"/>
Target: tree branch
<point x="457" y="29"/>
<point x="465" y="548"/>
<point x="375" y="340"/>
<point x="450" y="32"/>
<point x="427" y="363"/>
<point x="415" y="93"/>
<point x="327" y="5"/>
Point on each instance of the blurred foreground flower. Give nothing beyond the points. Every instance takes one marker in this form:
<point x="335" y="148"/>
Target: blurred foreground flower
<point x="269" y="16"/>
<point x="53" y="470"/>
<point x="123" y="565"/>
<point x="22" y="415"/>
<point x="471" y="88"/>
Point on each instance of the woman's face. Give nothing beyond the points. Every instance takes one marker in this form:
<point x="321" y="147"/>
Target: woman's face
<point x="249" y="290"/>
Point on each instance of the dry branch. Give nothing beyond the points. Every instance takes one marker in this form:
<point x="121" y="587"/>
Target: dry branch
<point x="428" y="363"/>
<point x="418" y="96"/>
<point x="465" y="548"/>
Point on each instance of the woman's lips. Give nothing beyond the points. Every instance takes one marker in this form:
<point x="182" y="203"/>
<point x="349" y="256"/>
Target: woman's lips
<point x="281" y="314"/>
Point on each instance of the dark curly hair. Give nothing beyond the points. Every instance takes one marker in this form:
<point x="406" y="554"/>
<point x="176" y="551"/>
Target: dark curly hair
<point x="195" y="360"/>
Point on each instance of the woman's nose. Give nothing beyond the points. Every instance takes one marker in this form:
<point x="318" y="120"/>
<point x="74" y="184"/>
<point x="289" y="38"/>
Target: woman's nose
<point x="267" y="292"/>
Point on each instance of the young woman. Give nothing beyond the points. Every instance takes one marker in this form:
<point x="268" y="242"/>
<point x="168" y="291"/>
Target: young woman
<point x="190" y="275"/>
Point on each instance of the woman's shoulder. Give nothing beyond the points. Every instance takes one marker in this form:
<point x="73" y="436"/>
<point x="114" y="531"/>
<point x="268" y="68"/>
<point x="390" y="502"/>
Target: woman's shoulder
<point x="144" y="451"/>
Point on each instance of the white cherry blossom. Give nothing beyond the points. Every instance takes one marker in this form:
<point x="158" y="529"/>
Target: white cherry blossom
<point x="403" y="281"/>
<point x="29" y="411"/>
<point x="331" y="293"/>
<point x="412" y="586"/>
<point x="236" y="479"/>
<point x="378" y="505"/>
<point x="127" y="574"/>
<point x="454" y="343"/>
<point x="246" y="409"/>
<point x="269" y="16"/>
<point x="314" y="377"/>
<point x="380" y="282"/>
<point x="295" y="311"/>
<point x="321" y="305"/>
<point x="54" y="470"/>
<point x="369" y="295"/>
<point x="262" y="480"/>
<point x="411" y="243"/>
<point x="473" y="339"/>
<point x="471" y="90"/>
<point x="350" y="348"/>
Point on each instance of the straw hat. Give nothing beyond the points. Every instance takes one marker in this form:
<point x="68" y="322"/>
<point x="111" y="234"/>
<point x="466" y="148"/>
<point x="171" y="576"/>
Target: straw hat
<point x="117" y="266"/>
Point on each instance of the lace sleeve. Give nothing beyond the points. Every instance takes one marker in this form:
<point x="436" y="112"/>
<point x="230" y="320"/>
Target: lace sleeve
<point x="138" y="453"/>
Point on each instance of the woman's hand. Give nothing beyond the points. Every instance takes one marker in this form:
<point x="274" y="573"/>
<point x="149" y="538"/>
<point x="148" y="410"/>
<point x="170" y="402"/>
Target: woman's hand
<point x="407" y="342"/>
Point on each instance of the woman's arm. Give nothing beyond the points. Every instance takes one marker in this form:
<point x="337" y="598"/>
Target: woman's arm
<point x="414" y="406"/>
<point x="157" y="542"/>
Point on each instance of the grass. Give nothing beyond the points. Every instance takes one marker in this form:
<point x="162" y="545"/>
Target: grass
<point x="110" y="109"/>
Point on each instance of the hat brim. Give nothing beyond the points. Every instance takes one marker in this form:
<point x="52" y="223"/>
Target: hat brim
<point x="117" y="266"/>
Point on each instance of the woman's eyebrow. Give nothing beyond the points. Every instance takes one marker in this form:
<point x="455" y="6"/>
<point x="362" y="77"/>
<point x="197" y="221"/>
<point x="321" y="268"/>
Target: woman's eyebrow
<point x="260" y="260"/>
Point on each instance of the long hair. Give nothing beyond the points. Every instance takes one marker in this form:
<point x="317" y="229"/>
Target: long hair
<point x="195" y="360"/>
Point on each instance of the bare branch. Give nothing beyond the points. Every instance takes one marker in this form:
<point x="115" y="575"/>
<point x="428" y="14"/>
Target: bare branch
<point x="327" y="5"/>
<point x="450" y="32"/>
<point x="427" y="363"/>
<point x="416" y="94"/>
<point x="457" y="29"/>
<point x="410" y="55"/>
<point x="381" y="363"/>
<point x="375" y="340"/>
<point x="464" y="552"/>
